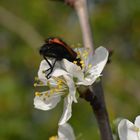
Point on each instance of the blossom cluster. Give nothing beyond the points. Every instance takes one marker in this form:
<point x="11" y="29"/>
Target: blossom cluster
<point x="66" y="77"/>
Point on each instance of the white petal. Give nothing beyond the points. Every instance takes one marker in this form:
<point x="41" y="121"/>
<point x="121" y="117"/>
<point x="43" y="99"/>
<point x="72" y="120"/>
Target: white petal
<point x="98" y="61"/>
<point x="89" y="80"/>
<point x="59" y="72"/>
<point x="67" y="110"/>
<point x="83" y="57"/>
<point x="126" y="130"/>
<point x="65" y="132"/>
<point x="72" y="88"/>
<point x="43" y="66"/>
<point x="46" y="103"/>
<point x="137" y="121"/>
<point x="73" y="69"/>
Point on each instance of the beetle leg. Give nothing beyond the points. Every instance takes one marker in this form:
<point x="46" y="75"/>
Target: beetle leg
<point x="47" y="61"/>
<point x="51" y="66"/>
<point x="51" y="69"/>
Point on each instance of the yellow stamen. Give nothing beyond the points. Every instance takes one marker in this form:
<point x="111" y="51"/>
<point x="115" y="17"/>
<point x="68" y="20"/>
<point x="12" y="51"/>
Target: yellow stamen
<point x="51" y="91"/>
<point x="85" y="54"/>
<point x="82" y="65"/>
<point x="59" y="81"/>
<point x="53" y="138"/>
<point x="136" y="129"/>
<point x="35" y="84"/>
<point x="81" y="62"/>
<point x="37" y="94"/>
<point x="89" y="66"/>
<point x="59" y="86"/>
<point x="75" y="62"/>
<point x="56" y="89"/>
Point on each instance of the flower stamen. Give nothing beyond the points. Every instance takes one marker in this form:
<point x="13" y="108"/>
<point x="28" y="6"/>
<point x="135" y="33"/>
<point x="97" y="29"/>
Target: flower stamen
<point x="75" y="62"/>
<point x="53" y="138"/>
<point x="37" y="94"/>
<point x="89" y="66"/>
<point x="135" y="128"/>
<point x="36" y="78"/>
<point x="85" y="54"/>
<point x="35" y="84"/>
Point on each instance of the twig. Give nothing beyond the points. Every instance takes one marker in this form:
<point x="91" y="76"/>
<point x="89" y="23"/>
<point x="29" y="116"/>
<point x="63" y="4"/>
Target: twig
<point x="95" y="94"/>
<point x="82" y="12"/>
<point x="80" y="7"/>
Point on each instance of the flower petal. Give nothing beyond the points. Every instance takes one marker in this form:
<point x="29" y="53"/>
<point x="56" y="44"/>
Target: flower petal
<point x="43" y="66"/>
<point x="126" y="130"/>
<point x="73" y="69"/>
<point x="87" y="81"/>
<point x="65" y="132"/>
<point x="59" y="72"/>
<point x="67" y="110"/>
<point x="46" y="103"/>
<point x="98" y="61"/>
<point x="72" y="88"/>
<point x="137" y="121"/>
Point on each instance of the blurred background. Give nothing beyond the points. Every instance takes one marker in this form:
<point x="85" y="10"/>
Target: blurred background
<point x="25" y="24"/>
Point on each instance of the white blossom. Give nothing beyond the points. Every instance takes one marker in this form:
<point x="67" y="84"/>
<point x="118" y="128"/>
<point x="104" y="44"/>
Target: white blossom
<point x="129" y="131"/>
<point x="65" y="78"/>
<point x="57" y="86"/>
<point x="65" y="132"/>
<point x="90" y="66"/>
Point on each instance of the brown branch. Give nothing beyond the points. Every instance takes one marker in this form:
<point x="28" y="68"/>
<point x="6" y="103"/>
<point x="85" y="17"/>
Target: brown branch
<point x="96" y="99"/>
<point x="95" y="94"/>
<point x="82" y="12"/>
<point x="81" y="9"/>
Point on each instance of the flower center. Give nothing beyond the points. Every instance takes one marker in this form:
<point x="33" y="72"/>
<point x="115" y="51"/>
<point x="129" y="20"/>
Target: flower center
<point x="58" y="87"/>
<point x="82" y="59"/>
<point x="79" y="62"/>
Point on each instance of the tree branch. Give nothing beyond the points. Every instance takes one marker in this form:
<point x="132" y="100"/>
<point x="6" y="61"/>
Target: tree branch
<point x="81" y="9"/>
<point x="95" y="94"/>
<point x="82" y="12"/>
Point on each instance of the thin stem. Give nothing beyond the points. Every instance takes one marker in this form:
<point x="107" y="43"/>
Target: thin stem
<point x="96" y="99"/>
<point x="100" y="111"/>
<point x="82" y="12"/>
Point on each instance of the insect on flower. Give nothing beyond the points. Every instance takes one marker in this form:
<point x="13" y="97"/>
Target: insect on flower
<point x="57" y="49"/>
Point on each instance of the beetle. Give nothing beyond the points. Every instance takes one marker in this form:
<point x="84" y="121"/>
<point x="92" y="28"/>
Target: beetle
<point x="56" y="48"/>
